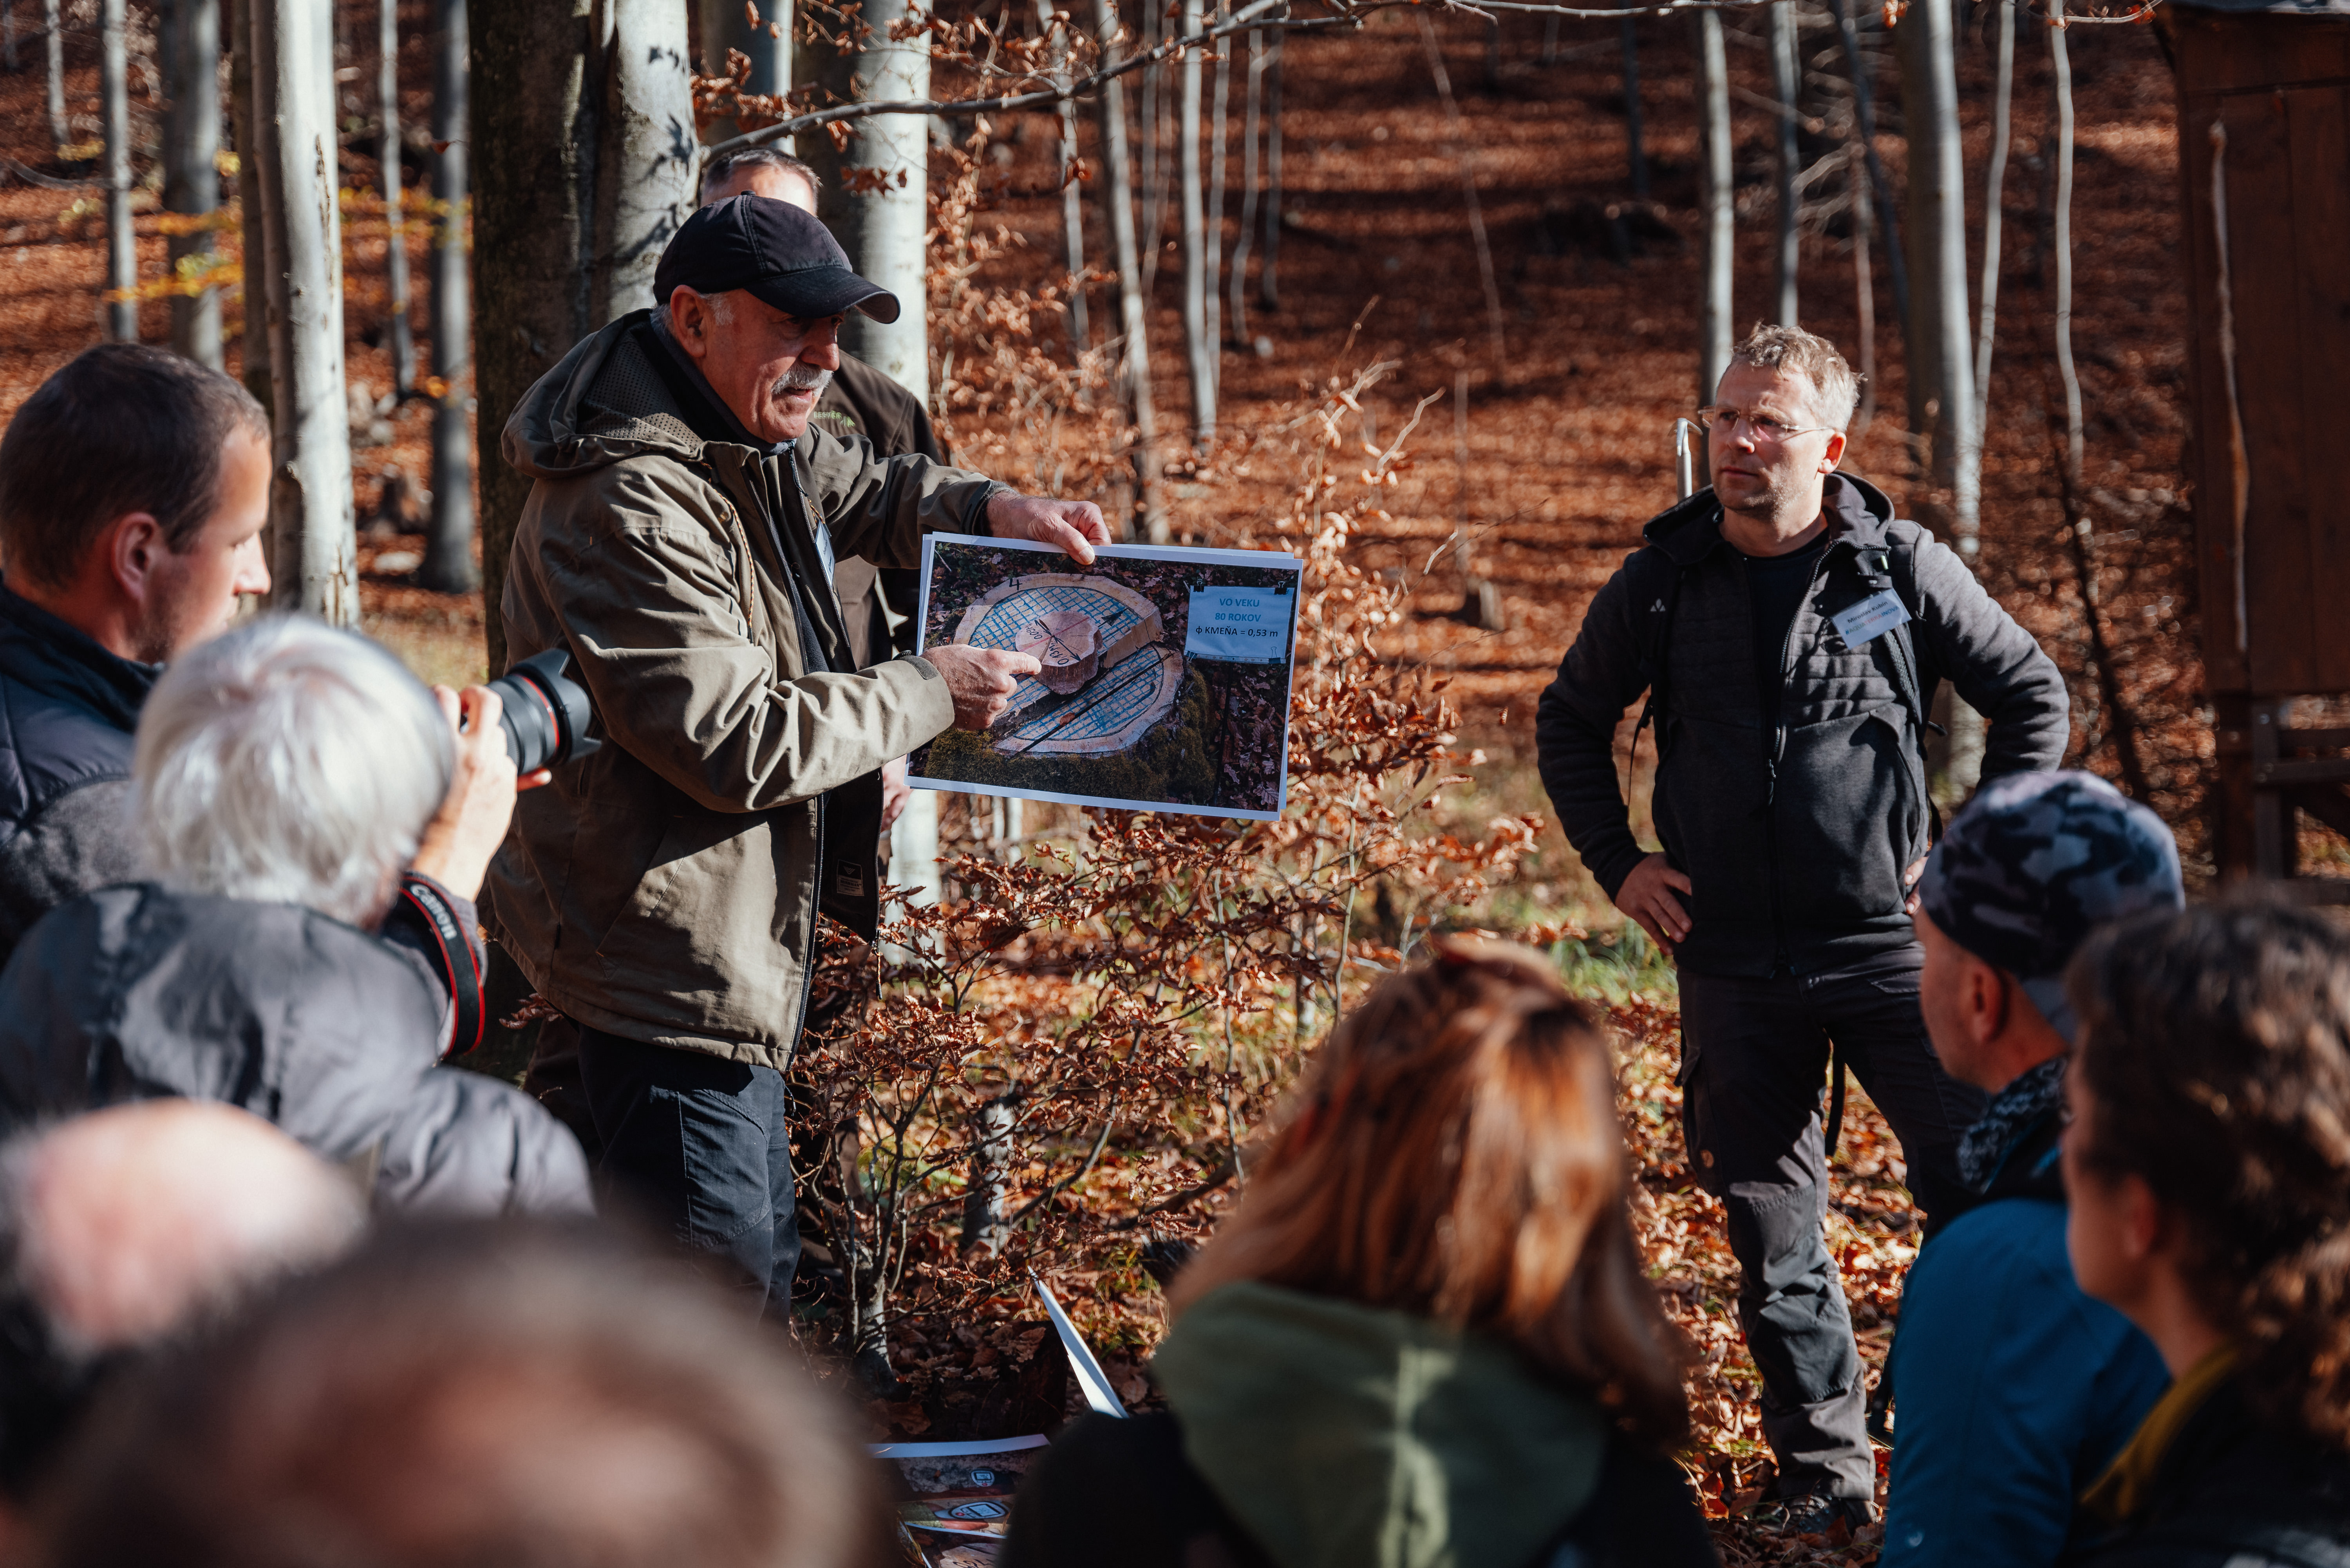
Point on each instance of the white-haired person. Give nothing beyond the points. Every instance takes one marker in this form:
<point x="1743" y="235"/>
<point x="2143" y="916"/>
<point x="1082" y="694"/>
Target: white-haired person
<point x="283" y="777"/>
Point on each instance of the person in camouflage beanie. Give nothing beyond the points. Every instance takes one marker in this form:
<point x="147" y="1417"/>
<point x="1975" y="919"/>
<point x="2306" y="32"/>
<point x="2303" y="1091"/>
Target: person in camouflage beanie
<point x="2015" y="1388"/>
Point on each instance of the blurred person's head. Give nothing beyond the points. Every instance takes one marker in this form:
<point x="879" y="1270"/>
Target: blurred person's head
<point x="2207" y="1161"/>
<point x="761" y="171"/>
<point x="1453" y="1153"/>
<point x="285" y="762"/>
<point x="1775" y="429"/>
<point x="133" y="488"/>
<point x="2019" y="879"/>
<point x="754" y="291"/>
<point x="129" y="1227"/>
<point x="478" y="1394"/>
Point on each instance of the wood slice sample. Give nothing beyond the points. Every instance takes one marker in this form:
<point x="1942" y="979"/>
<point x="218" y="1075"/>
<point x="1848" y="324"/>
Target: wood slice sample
<point x="1067" y="644"/>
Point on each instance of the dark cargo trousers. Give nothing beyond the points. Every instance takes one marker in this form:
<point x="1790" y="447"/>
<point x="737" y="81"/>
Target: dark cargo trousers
<point x="1754" y="1058"/>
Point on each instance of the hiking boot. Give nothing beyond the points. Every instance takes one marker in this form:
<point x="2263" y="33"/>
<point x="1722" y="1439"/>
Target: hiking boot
<point x="1814" y="1513"/>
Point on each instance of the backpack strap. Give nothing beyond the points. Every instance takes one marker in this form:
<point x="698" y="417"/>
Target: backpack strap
<point x="1895" y="566"/>
<point x="1654" y="584"/>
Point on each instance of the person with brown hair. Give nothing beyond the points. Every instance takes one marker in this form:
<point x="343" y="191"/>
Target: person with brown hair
<point x="2208" y="1165"/>
<point x="1424" y="1335"/>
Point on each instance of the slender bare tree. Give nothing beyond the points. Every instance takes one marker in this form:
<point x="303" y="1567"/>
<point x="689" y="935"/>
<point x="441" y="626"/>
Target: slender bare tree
<point x="877" y="189"/>
<point x="1786" y="87"/>
<point x="121" y="241"/>
<point x="1201" y="352"/>
<point x="2060" y="56"/>
<point x="1268" y="275"/>
<point x="252" y="290"/>
<point x="1636" y="152"/>
<point x="314" y="554"/>
<point x="1218" y="118"/>
<point x="1880" y="191"/>
<point x="1073" y="200"/>
<point x="395" y="256"/>
<point x="448" y="537"/>
<point x="1117" y="196"/>
<point x="1716" y="199"/>
<point x="191" y="52"/>
<point x="1994" y="199"/>
<point x="53" y="27"/>
<point x="1938" y="331"/>
<point x="1237" y="327"/>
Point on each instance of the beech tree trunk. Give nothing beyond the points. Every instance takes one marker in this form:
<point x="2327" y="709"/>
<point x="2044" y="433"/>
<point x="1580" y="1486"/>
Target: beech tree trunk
<point x="55" y="37"/>
<point x="1937" y="329"/>
<point x="191" y="45"/>
<point x="559" y="248"/>
<point x="1786" y="84"/>
<point x="121" y="242"/>
<point x="395" y="260"/>
<point x="881" y="228"/>
<point x="1268" y="275"/>
<point x="1219" y="118"/>
<point x="729" y="24"/>
<point x="2060" y="56"/>
<point x="1118" y="193"/>
<point x="1995" y="199"/>
<point x="313" y="546"/>
<point x="1237" y="327"/>
<point x="1200" y="355"/>
<point x="448" y="537"/>
<point x="1636" y="152"/>
<point x="1864" y="104"/>
<point x="1072" y="195"/>
<point x="251" y="292"/>
<point x="1716" y="201"/>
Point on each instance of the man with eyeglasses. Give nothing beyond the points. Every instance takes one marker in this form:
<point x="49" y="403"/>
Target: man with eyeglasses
<point x="1791" y="632"/>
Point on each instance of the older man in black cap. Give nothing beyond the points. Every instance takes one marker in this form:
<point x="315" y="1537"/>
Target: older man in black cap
<point x="663" y="893"/>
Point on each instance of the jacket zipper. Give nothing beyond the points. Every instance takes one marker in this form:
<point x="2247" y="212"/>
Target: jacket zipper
<point x="1778" y="751"/>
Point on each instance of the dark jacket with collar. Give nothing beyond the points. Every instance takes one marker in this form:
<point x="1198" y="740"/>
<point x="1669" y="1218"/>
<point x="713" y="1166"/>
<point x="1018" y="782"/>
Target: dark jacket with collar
<point x="136" y="992"/>
<point x="1795" y="836"/>
<point x="67" y="707"/>
<point x="2230" y="1493"/>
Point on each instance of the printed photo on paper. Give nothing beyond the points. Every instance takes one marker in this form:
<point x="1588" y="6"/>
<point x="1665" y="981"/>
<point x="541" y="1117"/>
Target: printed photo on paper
<point x="1165" y="675"/>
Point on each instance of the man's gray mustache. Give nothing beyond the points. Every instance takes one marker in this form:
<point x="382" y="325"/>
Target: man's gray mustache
<point x="803" y="379"/>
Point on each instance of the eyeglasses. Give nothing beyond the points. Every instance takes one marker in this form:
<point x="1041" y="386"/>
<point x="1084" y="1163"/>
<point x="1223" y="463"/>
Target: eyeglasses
<point x="1723" y="421"/>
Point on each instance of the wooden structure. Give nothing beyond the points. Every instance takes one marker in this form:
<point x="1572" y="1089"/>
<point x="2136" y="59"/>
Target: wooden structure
<point x="2264" y="167"/>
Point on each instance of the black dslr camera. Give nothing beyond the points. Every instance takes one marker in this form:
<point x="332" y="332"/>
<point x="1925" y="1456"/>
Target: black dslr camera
<point x="547" y="711"/>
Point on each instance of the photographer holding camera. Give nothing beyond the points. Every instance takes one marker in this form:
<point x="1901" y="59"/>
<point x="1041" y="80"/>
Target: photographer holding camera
<point x="134" y="485"/>
<point x="679" y="542"/>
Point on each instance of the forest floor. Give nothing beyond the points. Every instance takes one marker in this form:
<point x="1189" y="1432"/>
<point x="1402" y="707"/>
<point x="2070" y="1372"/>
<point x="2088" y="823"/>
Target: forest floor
<point x="1549" y="453"/>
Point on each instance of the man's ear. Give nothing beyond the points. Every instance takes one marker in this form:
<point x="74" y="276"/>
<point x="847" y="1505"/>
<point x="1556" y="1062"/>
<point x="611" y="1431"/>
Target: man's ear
<point x="688" y="321"/>
<point x="1987" y="1001"/>
<point x="133" y="549"/>
<point x="1834" y="454"/>
<point x="2146" y="1228"/>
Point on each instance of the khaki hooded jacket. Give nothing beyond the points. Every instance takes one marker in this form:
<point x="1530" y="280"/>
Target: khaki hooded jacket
<point x="665" y="888"/>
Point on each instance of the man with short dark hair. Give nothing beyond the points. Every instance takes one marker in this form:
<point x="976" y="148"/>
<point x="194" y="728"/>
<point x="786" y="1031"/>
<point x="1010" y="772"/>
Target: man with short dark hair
<point x="482" y="1394"/>
<point x="1791" y="632"/>
<point x="134" y="485"/>
<point x="2012" y="1387"/>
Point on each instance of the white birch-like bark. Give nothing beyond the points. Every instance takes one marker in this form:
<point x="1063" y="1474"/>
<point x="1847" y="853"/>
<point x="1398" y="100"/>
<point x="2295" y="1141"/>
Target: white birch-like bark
<point x="449" y="536"/>
<point x="883" y="228"/>
<point x="122" y="242"/>
<point x="313" y="546"/>
<point x="53" y="25"/>
<point x="1117" y="191"/>
<point x="395" y="260"/>
<point x="648" y="165"/>
<point x="191" y="48"/>
<point x="1200" y="353"/>
<point x="1941" y="342"/>
<point x="1786" y="87"/>
<point x="1716" y="199"/>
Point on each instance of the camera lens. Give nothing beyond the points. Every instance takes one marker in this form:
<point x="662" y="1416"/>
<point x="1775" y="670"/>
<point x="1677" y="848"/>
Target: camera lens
<point x="545" y="713"/>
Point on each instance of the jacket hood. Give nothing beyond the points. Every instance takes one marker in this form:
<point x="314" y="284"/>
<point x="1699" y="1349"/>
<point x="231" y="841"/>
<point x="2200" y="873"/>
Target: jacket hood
<point x="1342" y="1436"/>
<point x="603" y="403"/>
<point x="1685" y="531"/>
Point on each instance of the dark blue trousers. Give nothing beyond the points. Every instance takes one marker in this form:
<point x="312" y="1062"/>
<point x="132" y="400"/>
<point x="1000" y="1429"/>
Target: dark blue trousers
<point x="1754" y="1058"/>
<point x="699" y="1145"/>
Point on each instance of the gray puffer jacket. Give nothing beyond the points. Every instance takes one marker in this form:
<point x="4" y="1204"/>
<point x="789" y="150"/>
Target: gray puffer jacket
<point x="1793" y="835"/>
<point x="136" y="992"/>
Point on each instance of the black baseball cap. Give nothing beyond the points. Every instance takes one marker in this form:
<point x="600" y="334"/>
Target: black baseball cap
<point x="778" y="254"/>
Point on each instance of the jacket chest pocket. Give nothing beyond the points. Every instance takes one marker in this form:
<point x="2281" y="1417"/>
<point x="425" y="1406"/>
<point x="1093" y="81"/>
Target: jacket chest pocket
<point x="1850" y="816"/>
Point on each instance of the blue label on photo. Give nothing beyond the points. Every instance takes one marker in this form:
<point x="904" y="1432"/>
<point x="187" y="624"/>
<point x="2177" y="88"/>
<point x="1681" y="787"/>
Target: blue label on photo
<point x="1242" y="626"/>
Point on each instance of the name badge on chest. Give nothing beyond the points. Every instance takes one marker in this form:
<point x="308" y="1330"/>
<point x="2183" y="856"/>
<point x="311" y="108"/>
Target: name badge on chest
<point x="1871" y="619"/>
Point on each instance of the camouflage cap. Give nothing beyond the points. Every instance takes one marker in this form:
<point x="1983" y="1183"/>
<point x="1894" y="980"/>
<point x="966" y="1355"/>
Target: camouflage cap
<point x="2034" y="862"/>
